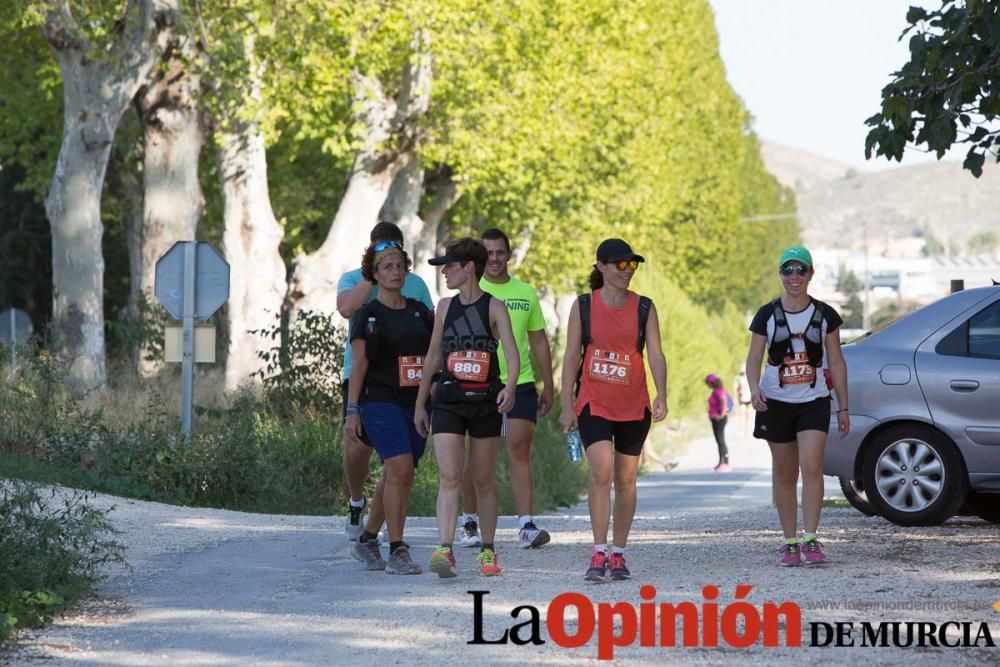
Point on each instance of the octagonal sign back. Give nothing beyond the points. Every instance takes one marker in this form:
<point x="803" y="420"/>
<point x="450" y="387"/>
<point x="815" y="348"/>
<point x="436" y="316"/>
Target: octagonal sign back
<point x="211" y="281"/>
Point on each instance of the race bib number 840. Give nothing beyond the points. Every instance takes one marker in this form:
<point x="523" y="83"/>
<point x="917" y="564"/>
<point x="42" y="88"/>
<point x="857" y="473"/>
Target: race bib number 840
<point x="411" y="371"/>
<point x="610" y="367"/>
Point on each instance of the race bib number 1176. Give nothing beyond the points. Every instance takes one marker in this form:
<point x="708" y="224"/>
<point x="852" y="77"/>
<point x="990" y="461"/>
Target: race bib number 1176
<point x="610" y="367"/>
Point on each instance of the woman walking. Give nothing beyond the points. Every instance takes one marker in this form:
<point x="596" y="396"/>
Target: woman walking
<point x="469" y="398"/>
<point x="799" y="336"/>
<point x="389" y="337"/>
<point x="608" y="330"/>
<point x="718" y="415"/>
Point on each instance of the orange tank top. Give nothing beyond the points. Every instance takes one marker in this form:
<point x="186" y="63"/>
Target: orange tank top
<point x="613" y="380"/>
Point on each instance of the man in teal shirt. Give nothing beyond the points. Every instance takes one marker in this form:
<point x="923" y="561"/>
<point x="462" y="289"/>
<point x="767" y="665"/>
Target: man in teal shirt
<point x="529" y="332"/>
<point x="353" y="292"/>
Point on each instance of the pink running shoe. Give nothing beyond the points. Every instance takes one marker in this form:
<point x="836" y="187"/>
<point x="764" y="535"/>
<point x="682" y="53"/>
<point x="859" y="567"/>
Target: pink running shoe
<point x="598" y="570"/>
<point x="619" y="571"/>
<point x="790" y="555"/>
<point x="723" y="467"/>
<point x="812" y="552"/>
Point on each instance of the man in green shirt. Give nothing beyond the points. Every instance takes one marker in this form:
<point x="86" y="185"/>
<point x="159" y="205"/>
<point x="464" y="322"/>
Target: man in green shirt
<point x="529" y="332"/>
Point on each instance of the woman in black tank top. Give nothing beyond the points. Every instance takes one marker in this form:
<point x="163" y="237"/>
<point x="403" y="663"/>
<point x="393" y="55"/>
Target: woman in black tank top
<point x="469" y="399"/>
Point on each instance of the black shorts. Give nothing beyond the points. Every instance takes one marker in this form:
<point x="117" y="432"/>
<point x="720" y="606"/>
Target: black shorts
<point x="479" y="420"/>
<point x="782" y="422"/>
<point x="343" y="413"/>
<point x="525" y="403"/>
<point x="628" y="437"/>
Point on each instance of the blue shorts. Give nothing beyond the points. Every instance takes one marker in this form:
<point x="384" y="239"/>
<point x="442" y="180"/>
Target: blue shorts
<point x="525" y="403"/>
<point x="390" y="429"/>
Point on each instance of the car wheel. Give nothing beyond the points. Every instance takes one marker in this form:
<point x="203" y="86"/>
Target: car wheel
<point x="914" y="476"/>
<point x="854" y="491"/>
<point x="984" y="505"/>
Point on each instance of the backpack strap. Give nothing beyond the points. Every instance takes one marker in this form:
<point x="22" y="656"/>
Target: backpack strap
<point x="584" y="301"/>
<point x="584" y="306"/>
<point x="645" y="305"/>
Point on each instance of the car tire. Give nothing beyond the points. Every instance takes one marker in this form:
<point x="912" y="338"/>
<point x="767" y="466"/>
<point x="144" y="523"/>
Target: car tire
<point x="914" y="476"/>
<point x="984" y="505"/>
<point x="854" y="492"/>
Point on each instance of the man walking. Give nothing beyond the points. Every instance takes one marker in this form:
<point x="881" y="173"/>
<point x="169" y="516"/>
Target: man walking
<point x="529" y="332"/>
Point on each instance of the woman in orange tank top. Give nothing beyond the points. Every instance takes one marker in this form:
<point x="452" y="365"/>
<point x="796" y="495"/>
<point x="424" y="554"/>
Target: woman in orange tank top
<point x="612" y="408"/>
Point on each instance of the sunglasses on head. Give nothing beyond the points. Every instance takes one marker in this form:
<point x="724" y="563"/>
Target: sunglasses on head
<point x="623" y="264"/>
<point x="382" y="245"/>
<point x="789" y="270"/>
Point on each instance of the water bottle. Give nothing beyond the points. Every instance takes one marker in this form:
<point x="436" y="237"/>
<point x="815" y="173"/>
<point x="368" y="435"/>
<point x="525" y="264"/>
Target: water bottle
<point x="574" y="446"/>
<point x="371" y="339"/>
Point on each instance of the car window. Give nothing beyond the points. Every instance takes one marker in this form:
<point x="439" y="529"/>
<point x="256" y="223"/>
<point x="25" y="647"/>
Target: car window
<point x="984" y="332"/>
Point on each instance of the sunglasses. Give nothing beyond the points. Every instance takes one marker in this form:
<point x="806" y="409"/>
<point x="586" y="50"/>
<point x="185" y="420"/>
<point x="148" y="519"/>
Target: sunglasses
<point x="623" y="264"/>
<point x="789" y="270"/>
<point x="382" y="245"/>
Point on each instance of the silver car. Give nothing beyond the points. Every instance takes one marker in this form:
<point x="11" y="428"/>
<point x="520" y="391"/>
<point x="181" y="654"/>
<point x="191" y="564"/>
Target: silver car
<point x="924" y="396"/>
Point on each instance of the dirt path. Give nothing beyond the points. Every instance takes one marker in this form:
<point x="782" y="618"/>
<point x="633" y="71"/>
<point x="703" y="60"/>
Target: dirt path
<point x="224" y="588"/>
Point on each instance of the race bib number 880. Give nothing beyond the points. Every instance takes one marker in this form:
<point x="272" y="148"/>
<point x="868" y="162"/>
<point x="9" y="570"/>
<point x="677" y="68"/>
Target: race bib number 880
<point x="469" y="365"/>
<point x="610" y="367"/>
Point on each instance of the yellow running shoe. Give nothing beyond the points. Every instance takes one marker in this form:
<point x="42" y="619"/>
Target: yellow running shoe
<point x="488" y="565"/>
<point x="443" y="563"/>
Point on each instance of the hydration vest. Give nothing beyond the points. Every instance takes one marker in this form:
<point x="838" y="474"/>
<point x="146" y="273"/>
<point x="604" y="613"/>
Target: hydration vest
<point x="780" y="345"/>
<point x="372" y="330"/>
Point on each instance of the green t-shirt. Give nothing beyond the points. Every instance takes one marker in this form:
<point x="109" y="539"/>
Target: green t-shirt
<point x="525" y="315"/>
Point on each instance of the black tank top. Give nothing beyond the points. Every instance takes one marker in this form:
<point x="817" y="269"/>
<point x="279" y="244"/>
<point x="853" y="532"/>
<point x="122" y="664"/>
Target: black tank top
<point x="467" y="334"/>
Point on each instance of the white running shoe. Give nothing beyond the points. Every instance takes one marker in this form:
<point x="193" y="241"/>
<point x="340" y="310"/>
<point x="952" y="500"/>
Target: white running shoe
<point x="354" y="525"/>
<point x="531" y="536"/>
<point x="469" y="534"/>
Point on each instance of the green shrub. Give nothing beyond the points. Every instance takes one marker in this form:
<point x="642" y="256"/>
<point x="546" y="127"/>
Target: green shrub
<point x="54" y="548"/>
<point x="302" y="371"/>
<point x="281" y="452"/>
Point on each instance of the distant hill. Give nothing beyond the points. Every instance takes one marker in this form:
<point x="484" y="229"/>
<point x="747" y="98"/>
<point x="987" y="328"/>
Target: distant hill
<point x="837" y="203"/>
<point x="799" y="169"/>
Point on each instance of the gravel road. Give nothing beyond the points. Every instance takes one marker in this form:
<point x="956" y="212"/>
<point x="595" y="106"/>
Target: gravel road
<point x="211" y="587"/>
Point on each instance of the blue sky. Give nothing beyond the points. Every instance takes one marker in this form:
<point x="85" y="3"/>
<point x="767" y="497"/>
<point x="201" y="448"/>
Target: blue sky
<point x="810" y="71"/>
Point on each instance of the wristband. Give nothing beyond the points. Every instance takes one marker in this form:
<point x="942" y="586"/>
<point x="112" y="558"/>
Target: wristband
<point x="843" y="410"/>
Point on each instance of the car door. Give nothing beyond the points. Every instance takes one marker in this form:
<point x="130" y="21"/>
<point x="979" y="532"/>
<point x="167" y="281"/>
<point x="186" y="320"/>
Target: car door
<point x="958" y="369"/>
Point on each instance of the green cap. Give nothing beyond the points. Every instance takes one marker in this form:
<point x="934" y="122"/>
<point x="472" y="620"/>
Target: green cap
<point x="795" y="253"/>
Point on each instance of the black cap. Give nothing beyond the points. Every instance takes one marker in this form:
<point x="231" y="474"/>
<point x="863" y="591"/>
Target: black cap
<point x="451" y="256"/>
<point x="612" y="250"/>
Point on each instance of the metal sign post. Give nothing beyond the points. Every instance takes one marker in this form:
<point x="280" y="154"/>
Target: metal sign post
<point x="187" y="349"/>
<point x="192" y="282"/>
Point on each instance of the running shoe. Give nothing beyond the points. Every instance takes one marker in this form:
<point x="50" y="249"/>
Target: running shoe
<point x="619" y="571"/>
<point x="531" y="536"/>
<point x="488" y="564"/>
<point x="355" y="522"/>
<point x="723" y="467"/>
<point x="790" y="555"/>
<point x="598" y="570"/>
<point x="469" y="536"/>
<point x="443" y="563"/>
<point x="812" y="552"/>
<point x="369" y="554"/>
<point x="400" y="562"/>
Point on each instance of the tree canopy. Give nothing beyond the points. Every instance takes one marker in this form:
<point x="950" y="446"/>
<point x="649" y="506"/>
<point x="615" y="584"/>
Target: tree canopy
<point x="948" y="92"/>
